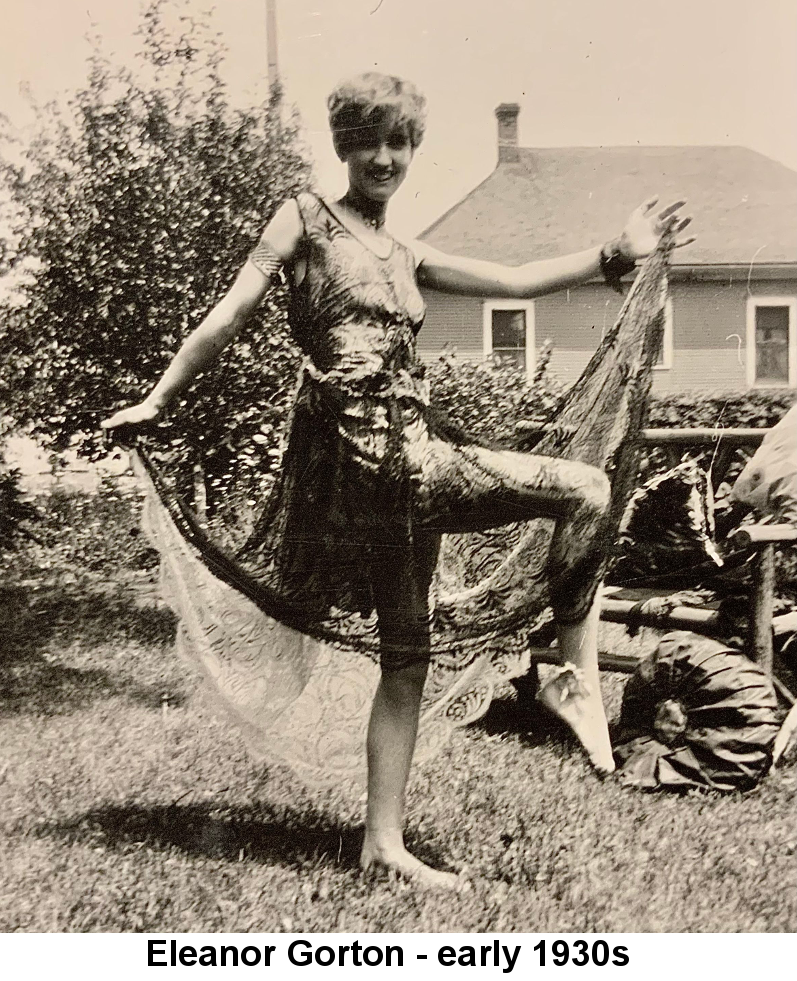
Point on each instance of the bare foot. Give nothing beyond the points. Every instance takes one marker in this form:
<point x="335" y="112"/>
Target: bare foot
<point x="399" y="861"/>
<point x="581" y="707"/>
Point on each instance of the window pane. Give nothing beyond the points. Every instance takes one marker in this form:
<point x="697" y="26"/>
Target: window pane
<point x="772" y="344"/>
<point x="513" y="355"/>
<point x="509" y="329"/>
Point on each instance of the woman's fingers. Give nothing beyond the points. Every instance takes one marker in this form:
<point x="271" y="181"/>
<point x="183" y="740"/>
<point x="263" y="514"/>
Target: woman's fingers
<point x="111" y="438"/>
<point x="647" y="206"/>
<point x="676" y="226"/>
<point x="133" y="417"/>
<point x="126" y="432"/>
<point x="670" y="210"/>
<point x="646" y="226"/>
<point x="121" y="418"/>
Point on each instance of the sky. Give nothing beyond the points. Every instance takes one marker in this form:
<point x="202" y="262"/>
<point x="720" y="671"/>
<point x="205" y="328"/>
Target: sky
<point x="585" y="72"/>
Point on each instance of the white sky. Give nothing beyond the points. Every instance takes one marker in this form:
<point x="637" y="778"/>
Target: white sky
<point x="586" y="72"/>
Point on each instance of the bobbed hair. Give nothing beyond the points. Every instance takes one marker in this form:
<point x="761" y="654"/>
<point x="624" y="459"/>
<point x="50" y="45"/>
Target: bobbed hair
<point x="363" y="103"/>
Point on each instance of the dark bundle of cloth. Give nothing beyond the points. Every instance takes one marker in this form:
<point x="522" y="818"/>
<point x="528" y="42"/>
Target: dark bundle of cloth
<point x="697" y="714"/>
<point x="668" y="526"/>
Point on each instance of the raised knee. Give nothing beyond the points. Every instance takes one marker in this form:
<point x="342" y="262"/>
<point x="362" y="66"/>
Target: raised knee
<point x="597" y="491"/>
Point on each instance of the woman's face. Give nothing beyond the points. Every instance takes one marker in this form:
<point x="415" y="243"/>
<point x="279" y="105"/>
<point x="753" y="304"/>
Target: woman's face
<point x="379" y="165"/>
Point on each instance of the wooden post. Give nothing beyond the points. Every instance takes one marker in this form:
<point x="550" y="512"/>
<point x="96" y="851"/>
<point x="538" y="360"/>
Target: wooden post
<point x="271" y="43"/>
<point x="675" y="618"/>
<point x="703" y="437"/>
<point x="763" y="608"/>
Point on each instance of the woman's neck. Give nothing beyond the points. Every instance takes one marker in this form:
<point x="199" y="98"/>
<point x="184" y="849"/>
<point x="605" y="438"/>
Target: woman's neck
<point x="372" y="212"/>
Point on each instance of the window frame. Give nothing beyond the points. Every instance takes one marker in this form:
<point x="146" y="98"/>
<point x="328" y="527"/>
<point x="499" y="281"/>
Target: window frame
<point x="753" y="302"/>
<point x="527" y="306"/>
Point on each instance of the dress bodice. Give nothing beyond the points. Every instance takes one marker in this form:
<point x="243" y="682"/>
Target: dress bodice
<point x="354" y="314"/>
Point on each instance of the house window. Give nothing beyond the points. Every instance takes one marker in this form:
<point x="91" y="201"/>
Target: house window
<point x="665" y="357"/>
<point x="771" y="348"/>
<point x="509" y="332"/>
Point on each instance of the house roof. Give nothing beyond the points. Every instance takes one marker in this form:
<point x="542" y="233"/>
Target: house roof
<point x="563" y="199"/>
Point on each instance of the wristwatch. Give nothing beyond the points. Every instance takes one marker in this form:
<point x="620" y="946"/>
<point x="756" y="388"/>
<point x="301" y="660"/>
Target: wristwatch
<point x="615" y="264"/>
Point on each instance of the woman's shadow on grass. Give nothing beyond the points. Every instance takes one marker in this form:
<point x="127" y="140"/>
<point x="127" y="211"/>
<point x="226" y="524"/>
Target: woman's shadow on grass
<point x="37" y="630"/>
<point x="517" y="713"/>
<point x="265" y="834"/>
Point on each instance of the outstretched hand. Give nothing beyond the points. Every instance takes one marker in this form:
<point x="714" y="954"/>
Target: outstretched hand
<point x="128" y="423"/>
<point x="646" y="225"/>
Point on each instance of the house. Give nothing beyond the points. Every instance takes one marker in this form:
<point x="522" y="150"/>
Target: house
<point x="733" y="293"/>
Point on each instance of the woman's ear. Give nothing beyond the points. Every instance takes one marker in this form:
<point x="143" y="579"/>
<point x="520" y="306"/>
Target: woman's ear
<point x="339" y="148"/>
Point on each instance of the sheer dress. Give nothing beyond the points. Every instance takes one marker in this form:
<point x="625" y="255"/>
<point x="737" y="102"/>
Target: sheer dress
<point x="390" y="535"/>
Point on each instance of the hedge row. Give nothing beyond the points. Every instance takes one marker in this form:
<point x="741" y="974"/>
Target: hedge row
<point x="755" y="409"/>
<point x="488" y="399"/>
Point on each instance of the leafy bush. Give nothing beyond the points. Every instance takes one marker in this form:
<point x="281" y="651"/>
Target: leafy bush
<point x="488" y="398"/>
<point x="130" y="212"/>
<point x="83" y="535"/>
<point x="16" y="513"/>
<point x="753" y="409"/>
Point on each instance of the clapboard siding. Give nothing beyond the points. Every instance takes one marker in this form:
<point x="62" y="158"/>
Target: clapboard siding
<point x="451" y="322"/>
<point x="709" y="329"/>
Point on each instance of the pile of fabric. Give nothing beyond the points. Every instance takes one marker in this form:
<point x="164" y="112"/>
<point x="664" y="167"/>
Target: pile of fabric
<point x="697" y="714"/>
<point x="668" y="525"/>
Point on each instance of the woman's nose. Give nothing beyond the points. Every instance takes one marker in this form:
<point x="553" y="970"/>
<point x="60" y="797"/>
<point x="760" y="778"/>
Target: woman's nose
<point x="382" y="155"/>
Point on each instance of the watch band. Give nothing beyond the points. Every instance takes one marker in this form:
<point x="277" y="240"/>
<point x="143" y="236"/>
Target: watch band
<point x="615" y="264"/>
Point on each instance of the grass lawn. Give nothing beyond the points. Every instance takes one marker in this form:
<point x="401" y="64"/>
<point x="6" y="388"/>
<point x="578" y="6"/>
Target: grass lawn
<point x="117" y="817"/>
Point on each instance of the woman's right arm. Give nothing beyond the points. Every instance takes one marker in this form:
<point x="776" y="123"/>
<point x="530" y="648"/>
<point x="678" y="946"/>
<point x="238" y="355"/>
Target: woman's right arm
<point x="203" y="346"/>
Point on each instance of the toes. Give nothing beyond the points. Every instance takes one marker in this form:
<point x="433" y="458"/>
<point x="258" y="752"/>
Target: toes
<point x="585" y="717"/>
<point x="414" y="872"/>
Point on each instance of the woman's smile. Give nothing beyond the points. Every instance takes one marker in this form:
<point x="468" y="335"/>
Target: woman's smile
<point x="378" y="167"/>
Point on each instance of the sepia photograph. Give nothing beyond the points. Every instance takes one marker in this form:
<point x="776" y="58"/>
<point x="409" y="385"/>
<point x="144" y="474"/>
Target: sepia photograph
<point x="398" y="475"/>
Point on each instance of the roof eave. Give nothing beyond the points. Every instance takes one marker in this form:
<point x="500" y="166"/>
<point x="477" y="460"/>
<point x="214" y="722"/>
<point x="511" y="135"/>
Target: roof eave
<point x="718" y="272"/>
<point x="733" y="270"/>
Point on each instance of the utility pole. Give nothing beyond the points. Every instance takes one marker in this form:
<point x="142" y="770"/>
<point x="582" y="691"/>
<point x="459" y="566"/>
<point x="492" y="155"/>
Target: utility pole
<point x="271" y="43"/>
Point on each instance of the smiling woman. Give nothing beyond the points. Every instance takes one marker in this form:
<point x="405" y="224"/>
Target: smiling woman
<point x="377" y="123"/>
<point x="347" y="545"/>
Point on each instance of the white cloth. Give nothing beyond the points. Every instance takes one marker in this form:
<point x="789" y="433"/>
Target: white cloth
<point x="768" y="483"/>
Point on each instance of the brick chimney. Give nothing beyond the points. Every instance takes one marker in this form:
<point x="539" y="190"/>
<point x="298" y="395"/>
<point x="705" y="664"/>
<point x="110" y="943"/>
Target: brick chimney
<point x="507" y="114"/>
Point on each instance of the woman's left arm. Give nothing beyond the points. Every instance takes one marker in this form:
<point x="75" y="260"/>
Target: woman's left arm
<point x="474" y="277"/>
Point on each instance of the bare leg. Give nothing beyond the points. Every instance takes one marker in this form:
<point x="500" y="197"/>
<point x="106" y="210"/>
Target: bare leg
<point x="401" y="580"/>
<point x="496" y="487"/>
<point x="575" y="695"/>
<point x="391" y="741"/>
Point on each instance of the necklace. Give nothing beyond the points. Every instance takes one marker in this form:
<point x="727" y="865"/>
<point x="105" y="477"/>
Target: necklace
<point x="376" y="222"/>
